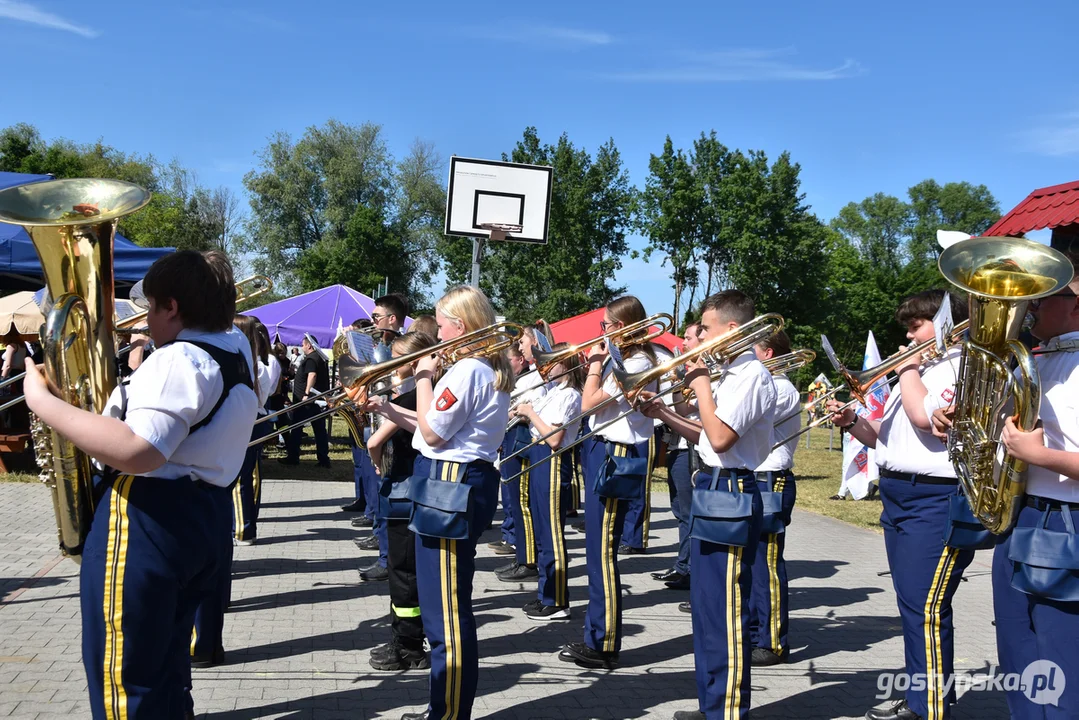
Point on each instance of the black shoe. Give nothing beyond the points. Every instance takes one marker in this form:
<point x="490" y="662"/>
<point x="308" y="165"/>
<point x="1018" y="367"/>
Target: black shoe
<point x="502" y="570"/>
<point x="689" y="715"/>
<point x="549" y="612"/>
<point x="521" y="572"/>
<point x="534" y="605"/>
<point x="355" y="506"/>
<point x="362" y="521"/>
<point x="208" y="661"/>
<point x="666" y="575"/>
<point x="415" y="716"/>
<point x="685" y="607"/>
<point x="624" y="549"/>
<point x="502" y="548"/>
<point x="571" y="513"/>
<point x="587" y="657"/>
<point x="288" y="461"/>
<point x="898" y="711"/>
<point x="374" y="574"/>
<point x="369" y="568"/>
<point x="384" y="650"/>
<point x="679" y="583"/>
<point x="763" y="657"/>
<point x="400" y="658"/>
<point x="368" y="543"/>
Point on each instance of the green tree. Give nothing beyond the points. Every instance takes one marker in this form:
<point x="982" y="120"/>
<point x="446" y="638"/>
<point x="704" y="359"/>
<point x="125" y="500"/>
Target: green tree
<point x="672" y="210"/>
<point x="359" y="259"/>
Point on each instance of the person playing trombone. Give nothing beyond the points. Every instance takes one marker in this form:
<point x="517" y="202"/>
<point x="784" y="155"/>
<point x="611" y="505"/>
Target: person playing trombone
<point x="917" y="481"/>
<point x="458" y="426"/>
<point x="606" y="459"/>
<point x="549" y="483"/>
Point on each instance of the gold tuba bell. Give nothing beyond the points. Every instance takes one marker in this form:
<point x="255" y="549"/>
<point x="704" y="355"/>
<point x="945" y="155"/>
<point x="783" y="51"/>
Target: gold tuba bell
<point x="72" y="224"/>
<point x="1002" y="275"/>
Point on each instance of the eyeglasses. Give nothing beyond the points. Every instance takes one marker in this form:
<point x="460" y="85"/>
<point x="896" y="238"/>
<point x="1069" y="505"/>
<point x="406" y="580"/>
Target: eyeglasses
<point x="1035" y="304"/>
<point x="378" y="317"/>
<point x="604" y="324"/>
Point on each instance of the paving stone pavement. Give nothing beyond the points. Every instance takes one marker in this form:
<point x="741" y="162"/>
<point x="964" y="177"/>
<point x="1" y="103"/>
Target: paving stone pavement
<point x="300" y="627"/>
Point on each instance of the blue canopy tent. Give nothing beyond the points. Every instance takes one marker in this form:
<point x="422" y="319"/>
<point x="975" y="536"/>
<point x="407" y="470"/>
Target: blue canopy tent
<point x="20" y="268"/>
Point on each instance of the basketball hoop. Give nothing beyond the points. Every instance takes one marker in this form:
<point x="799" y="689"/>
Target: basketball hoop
<point x="500" y="231"/>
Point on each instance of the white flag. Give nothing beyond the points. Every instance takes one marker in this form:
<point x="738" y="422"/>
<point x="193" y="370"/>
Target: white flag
<point x="859" y="464"/>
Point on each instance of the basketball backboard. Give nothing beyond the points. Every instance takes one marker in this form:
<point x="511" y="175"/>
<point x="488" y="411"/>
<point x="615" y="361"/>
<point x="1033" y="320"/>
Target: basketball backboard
<point x="498" y="200"/>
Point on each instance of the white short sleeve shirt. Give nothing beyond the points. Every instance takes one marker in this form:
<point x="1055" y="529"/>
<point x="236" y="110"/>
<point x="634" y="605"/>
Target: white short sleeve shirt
<point x="468" y="412"/>
<point x="561" y="406"/>
<point x="173" y="390"/>
<point x="633" y="428"/>
<point x="788" y="403"/>
<point x="1059" y="373"/>
<point x="903" y="448"/>
<point x="746" y="403"/>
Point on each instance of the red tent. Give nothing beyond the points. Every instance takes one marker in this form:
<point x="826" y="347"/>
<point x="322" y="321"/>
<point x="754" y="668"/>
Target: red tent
<point x="583" y="328"/>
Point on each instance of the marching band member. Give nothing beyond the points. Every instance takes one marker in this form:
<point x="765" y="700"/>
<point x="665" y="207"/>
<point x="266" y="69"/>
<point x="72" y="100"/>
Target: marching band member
<point x="734" y="436"/>
<point x="405" y="649"/>
<point x="174" y="440"/>
<point x="630" y="437"/>
<point x="681" y="464"/>
<point x="515" y="486"/>
<point x="549" y="482"/>
<point x="363" y="475"/>
<point x="916" y="481"/>
<point x="247" y="491"/>
<point x="312" y="377"/>
<point x="769" y="610"/>
<point x="1032" y="623"/>
<point x="458" y="426"/>
<point x="639" y="510"/>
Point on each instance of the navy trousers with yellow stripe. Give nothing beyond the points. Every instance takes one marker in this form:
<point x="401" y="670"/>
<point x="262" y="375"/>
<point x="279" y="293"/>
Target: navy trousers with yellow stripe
<point x="769" y="606"/>
<point x="639" y="510"/>
<point x="549" y="488"/>
<point x="925" y="575"/>
<point x="604" y="522"/>
<point x="1031" y="628"/>
<point x="150" y="556"/>
<point x="444" y="572"/>
<point x="719" y="593"/>
<point x="247" y="493"/>
<point x="206" y="635"/>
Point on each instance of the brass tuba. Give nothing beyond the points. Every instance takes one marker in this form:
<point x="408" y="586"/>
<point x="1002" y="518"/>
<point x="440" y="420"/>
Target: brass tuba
<point x="1002" y="275"/>
<point x="72" y="224"/>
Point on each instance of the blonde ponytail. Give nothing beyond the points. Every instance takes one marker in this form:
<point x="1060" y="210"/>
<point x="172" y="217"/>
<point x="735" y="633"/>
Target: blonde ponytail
<point x="473" y="310"/>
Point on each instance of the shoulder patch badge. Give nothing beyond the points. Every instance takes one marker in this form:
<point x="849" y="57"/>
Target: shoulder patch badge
<point x="445" y="401"/>
<point x="947" y="395"/>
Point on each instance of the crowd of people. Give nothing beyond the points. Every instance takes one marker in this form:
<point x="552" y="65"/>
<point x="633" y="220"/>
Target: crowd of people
<point x="442" y="444"/>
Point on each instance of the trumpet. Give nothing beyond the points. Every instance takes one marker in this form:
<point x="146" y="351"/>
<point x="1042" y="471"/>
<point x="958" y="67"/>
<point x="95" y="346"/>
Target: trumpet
<point x="715" y="352"/>
<point x="859" y="384"/>
<point x="358" y="373"/>
<point x="778" y="365"/>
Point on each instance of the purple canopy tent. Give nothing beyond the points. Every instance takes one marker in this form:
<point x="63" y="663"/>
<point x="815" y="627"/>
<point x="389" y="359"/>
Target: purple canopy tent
<point x="319" y="312"/>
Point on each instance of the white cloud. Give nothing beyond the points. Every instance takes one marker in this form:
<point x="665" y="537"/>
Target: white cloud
<point x="25" y="12"/>
<point x="540" y="34"/>
<point x="1056" y="135"/>
<point x="741" y="65"/>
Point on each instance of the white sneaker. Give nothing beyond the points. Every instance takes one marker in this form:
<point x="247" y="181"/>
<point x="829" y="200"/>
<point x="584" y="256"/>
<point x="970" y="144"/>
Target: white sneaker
<point x="243" y="543"/>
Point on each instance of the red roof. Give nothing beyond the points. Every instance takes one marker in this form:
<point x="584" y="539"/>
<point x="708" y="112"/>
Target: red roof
<point x="583" y="328"/>
<point x="1047" y="207"/>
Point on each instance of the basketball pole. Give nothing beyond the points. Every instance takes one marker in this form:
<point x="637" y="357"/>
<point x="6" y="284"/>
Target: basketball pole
<point x="477" y="255"/>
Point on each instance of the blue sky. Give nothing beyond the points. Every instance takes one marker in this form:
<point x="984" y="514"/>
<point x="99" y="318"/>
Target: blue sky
<point x="868" y="97"/>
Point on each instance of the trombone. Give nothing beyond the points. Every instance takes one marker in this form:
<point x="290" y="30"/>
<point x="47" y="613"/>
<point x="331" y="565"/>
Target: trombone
<point x="860" y="383"/>
<point x="247" y="289"/>
<point x="258" y="284"/>
<point x="545" y="361"/>
<point x="715" y="352"/>
<point x="357" y="375"/>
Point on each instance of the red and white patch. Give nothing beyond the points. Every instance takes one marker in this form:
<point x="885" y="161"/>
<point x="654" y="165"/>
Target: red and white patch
<point x="947" y="395"/>
<point x="445" y="401"/>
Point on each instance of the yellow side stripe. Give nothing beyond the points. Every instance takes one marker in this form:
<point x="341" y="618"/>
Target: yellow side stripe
<point x="934" y="660"/>
<point x="526" y="514"/>
<point x="557" y="540"/>
<point x="238" y="509"/>
<point x="648" y="493"/>
<point x="608" y="559"/>
<point x="729" y="710"/>
<point x="115" y="565"/>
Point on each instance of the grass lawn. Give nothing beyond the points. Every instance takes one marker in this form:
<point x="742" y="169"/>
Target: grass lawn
<point x="817" y="468"/>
